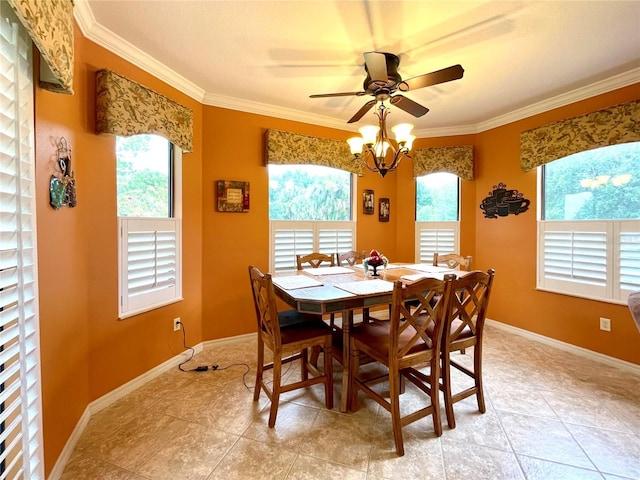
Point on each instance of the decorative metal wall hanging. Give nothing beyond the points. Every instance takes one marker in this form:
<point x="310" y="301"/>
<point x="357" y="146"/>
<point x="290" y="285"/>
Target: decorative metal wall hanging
<point x="62" y="186"/>
<point x="502" y="202"/>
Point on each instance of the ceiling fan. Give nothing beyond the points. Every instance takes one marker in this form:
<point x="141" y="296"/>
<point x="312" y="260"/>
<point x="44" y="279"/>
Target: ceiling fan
<point x="383" y="80"/>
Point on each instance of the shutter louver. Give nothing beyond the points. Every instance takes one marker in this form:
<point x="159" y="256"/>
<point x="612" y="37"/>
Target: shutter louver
<point x="576" y="256"/>
<point x="20" y="398"/>
<point x="288" y="243"/>
<point x="335" y="240"/>
<point x="150" y="266"/>
<point x="431" y="240"/>
<point x="630" y="261"/>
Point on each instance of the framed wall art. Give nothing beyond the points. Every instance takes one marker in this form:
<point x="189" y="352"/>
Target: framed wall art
<point x="233" y="196"/>
<point x="383" y="210"/>
<point x="367" y="202"/>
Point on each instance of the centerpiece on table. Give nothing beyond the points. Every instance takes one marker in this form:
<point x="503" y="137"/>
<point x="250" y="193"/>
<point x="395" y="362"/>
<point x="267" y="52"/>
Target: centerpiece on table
<point x="374" y="260"/>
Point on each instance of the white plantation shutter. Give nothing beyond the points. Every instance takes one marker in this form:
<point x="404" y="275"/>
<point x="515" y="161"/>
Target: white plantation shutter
<point x="629" y="259"/>
<point x="431" y="237"/>
<point x="291" y="238"/>
<point x="593" y="259"/>
<point x="20" y="398"/>
<point x="150" y="263"/>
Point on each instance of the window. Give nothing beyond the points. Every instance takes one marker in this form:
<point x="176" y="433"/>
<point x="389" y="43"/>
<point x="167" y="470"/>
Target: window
<point x="149" y="223"/>
<point x="437" y="214"/>
<point x="589" y="235"/>
<point x="21" y="454"/>
<point x="310" y="208"/>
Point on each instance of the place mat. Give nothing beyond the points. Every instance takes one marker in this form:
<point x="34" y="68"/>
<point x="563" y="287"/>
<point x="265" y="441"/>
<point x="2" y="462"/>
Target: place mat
<point x="327" y="270"/>
<point x="296" y="281"/>
<point x="366" y="287"/>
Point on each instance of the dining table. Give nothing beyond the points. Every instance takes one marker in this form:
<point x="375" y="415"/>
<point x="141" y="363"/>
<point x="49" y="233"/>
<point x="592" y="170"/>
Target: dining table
<point x="344" y="289"/>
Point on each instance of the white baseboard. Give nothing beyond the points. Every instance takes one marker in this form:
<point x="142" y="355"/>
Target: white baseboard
<point x="599" y="357"/>
<point x="123" y="390"/>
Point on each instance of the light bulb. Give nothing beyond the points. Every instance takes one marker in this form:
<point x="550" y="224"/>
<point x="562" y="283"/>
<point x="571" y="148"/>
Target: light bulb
<point x="369" y="134"/>
<point x="355" y="144"/>
<point x="402" y="132"/>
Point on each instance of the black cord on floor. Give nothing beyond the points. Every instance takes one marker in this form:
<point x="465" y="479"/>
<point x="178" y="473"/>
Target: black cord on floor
<point x="204" y="368"/>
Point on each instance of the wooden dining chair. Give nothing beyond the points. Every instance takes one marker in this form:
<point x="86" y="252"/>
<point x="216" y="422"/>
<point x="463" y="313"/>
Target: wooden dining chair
<point x="464" y="329"/>
<point x="633" y="301"/>
<point x="452" y="261"/>
<point x="314" y="260"/>
<point x="405" y="347"/>
<point x="351" y="257"/>
<point x="287" y="331"/>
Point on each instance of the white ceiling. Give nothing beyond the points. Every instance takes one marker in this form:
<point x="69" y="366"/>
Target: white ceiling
<point x="267" y="57"/>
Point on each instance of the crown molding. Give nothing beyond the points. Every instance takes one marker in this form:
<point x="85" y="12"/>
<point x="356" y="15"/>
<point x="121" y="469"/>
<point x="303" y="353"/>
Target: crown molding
<point x="258" y="108"/>
<point x="112" y="42"/>
<point x="95" y="32"/>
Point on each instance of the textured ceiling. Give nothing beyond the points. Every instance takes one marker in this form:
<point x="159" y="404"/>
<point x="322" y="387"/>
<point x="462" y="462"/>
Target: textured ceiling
<point x="269" y="56"/>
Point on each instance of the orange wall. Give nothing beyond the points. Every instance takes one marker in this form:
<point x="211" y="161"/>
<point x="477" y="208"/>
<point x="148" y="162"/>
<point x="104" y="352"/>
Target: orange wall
<point x="509" y="245"/>
<point x="87" y="352"/>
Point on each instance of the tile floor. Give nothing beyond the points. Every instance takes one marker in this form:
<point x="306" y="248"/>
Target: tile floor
<point x="550" y="415"/>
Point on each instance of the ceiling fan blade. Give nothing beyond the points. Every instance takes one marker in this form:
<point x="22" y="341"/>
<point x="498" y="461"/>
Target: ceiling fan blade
<point x="376" y="65"/>
<point x="454" y="72"/>
<point x="341" y="94"/>
<point x="364" y="109"/>
<point x="409" y="105"/>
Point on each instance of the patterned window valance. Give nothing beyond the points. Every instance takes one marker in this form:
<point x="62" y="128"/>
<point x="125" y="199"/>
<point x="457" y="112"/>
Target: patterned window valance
<point x="610" y="126"/>
<point x="456" y="160"/>
<point x="293" y="148"/>
<point x="124" y="107"/>
<point x="50" y="26"/>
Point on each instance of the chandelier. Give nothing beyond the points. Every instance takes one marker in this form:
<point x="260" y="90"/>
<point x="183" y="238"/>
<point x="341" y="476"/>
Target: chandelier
<point x="375" y="149"/>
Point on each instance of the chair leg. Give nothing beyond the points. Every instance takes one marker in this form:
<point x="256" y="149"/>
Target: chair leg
<point x="446" y="388"/>
<point x="477" y="375"/>
<point x="394" y="400"/>
<point x="434" y="376"/>
<point x="275" y="392"/>
<point x="259" y="371"/>
<point x="314" y="356"/>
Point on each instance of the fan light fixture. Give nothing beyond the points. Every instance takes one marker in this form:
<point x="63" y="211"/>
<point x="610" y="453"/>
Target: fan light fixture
<point x="374" y="146"/>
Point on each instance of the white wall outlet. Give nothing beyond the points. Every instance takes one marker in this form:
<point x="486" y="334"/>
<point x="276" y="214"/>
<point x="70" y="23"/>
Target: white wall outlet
<point x="605" y="324"/>
<point x="176" y="324"/>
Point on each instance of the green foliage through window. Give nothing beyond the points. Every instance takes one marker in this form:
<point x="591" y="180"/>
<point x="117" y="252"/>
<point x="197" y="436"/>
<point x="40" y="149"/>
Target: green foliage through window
<point x="143" y="176"/>
<point x="600" y="184"/>
<point x="309" y="192"/>
<point x="437" y="197"/>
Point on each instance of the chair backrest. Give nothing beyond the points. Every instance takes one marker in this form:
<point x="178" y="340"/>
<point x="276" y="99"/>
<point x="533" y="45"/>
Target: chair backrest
<point x="264" y="300"/>
<point x="351" y="257"/>
<point x="419" y="327"/>
<point x="453" y="261"/>
<point x="469" y="304"/>
<point x="315" y="260"/>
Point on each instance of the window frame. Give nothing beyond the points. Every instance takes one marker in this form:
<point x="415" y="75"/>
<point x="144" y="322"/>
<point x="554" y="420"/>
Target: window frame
<point x="612" y="248"/>
<point x="129" y="302"/>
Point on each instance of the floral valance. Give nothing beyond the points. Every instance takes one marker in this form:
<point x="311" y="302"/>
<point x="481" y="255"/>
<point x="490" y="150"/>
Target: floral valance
<point x="610" y="126"/>
<point x="50" y="26"/>
<point x="293" y="148"/>
<point x="456" y="160"/>
<point x="124" y="107"/>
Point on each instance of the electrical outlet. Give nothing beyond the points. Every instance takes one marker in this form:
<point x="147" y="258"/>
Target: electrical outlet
<point x="176" y="324"/>
<point x="605" y="324"/>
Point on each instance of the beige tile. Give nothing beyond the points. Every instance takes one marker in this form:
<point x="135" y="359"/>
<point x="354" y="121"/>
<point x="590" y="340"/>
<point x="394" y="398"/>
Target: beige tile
<point x="467" y="460"/>
<point x="520" y="399"/>
<point x="612" y="452"/>
<point x="191" y="454"/>
<point x="294" y="424"/>
<point x="249" y="459"/>
<point x="90" y="468"/>
<point x="341" y="438"/>
<point x="139" y="439"/>
<point x="536" y="469"/>
<point x="310" y="468"/>
<point x="543" y="438"/>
